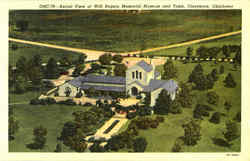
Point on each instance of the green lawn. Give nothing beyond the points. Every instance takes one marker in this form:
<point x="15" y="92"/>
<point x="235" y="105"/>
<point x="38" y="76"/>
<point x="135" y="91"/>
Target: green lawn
<point x="118" y="31"/>
<point x="28" y="51"/>
<point x="162" y="139"/>
<point x="51" y="117"/>
<point x="181" y="51"/>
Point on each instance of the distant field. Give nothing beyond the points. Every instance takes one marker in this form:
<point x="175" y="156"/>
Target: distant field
<point x="119" y="31"/>
<point x="29" y="51"/>
<point x="51" y="117"/>
<point x="181" y="51"/>
<point x="171" y="128"/>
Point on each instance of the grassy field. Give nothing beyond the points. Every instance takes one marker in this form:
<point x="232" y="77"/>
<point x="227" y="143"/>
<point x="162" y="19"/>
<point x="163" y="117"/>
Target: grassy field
<point x="119" y="31"/>
<point x="29" y="51"/>
<point x="181" y="51"/>
<point x="51" y="117"/>
<point x="171" y="129"/>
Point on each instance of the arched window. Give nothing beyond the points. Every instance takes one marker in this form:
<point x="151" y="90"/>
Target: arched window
<point x="133" y="75"/>
<point x="136" y="74"/>
<point x="140" y="75"/>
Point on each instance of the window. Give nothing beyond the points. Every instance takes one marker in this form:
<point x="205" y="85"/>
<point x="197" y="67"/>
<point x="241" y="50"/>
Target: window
<point x="133" y="75"/>
<point x="136" y="74"/>
<point x="140" y="75"/>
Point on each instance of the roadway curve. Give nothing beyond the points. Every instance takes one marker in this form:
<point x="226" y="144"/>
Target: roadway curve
<point x="95" y="54"/>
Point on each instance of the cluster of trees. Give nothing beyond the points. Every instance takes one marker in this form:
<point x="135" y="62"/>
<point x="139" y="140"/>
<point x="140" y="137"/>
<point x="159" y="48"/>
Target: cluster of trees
<point x="204" y="52"/>
<point x="164" y="104"/>
<point x="39" y="138"/>
<point x="84" y="123"/>
<point x="213" y="52"/>
<point x="106" y="59"/>
<point x="29" y="73"/>
<point x="192" y="134"/>
<point x="202" y="81"/>
<point x="79" y="65"/>
<point x="45" y="101"/>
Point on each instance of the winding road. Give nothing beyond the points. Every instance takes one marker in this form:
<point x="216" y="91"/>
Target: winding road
<point x="95" y="54"/>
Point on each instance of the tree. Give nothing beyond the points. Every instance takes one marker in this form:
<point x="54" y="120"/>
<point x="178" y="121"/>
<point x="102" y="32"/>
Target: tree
<point x="39" y="138"/>
<point x="36" y="61"/>
<point x="66" y="61"/>
<point x="225" y="51"/>
<point x="189" y="51"/>
<point x="238" y="57"/>
<point x="202" y="52"/>
<point x="215" y="118"/>
<point x="232" y="131"/>
<point x="105" y="59"/>
<point x="81" y="59"/>
<point x="117" y="58"/>
<point x="185" y="97"/>
<point x="35" y="76"/>
<point x="120" y="70"/>
<point x="229" y="81"/>
<point x="197" y="72"/>
<point x="22" y="25"/>
<point x="221" y="69"/>
<point x="192" y="132"/>
<point x="201" y="110"/>
<point x="140" y="144"/>
<point x="214" y="74"/>
<point x="228" y="105"/>
<point x="20" y="85"/>
<point x="164" y="104"/>
<point x="212" y="98"/>
<point x="58" y="148"/>
<point x="21" y="66"/>
<point x="170" y="70"/>
<point x="238" y="116"/>
<point x="13" y="126"/>
<point x="51" y="71"/>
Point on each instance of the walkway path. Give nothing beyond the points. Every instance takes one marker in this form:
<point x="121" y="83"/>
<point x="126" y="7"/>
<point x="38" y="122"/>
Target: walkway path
<point x="94" y="54"/>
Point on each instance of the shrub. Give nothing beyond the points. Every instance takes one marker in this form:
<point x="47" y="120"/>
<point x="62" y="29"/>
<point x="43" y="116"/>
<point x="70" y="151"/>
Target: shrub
<point x="215" y="118"/>
<point x="238" y="117"/>
<point x="35" y="101"/>
<point x="131" y="115"/>
<point x="140" y="144"/>
<point x="178" y="145"/>
<point x="160" y="118"/>
<point x="154" y="124"/>
<point x="87" y="104"/>
<point x="212" y="98"/>
<point x="201" y="110"/>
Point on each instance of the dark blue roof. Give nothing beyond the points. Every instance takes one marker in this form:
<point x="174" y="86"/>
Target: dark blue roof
<point x="147" y="67"/>
<point x="80" y="82"/>
<point x="98" y="79"/>
<point x="168" y="85"/>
